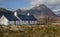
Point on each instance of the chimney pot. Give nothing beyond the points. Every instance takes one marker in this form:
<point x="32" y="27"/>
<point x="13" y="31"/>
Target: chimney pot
<point x="15" y="13"/>
<point x="28" y="14"/>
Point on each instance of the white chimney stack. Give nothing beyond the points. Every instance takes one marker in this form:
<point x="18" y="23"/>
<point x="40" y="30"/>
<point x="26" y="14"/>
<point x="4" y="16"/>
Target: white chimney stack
<point x="15" y="13"/>
<point x="28" y="14"/>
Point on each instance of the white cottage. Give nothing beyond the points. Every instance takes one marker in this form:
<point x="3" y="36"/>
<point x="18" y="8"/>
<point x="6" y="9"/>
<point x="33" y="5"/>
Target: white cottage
<point x="9" y="19"/>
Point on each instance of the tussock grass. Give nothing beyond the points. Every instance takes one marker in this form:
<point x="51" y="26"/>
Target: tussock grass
<point x="30" y="31"/>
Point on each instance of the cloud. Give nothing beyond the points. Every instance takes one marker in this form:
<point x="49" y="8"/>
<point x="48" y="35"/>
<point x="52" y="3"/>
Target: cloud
<point x="52" y="4"/>
<point x="47" y="2"/>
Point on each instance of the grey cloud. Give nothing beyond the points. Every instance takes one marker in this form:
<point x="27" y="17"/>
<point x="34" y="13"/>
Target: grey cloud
<point x="52" y="4"/>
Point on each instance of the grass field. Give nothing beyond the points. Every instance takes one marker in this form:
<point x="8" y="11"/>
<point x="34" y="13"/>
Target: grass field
<point x="30" y="31"/>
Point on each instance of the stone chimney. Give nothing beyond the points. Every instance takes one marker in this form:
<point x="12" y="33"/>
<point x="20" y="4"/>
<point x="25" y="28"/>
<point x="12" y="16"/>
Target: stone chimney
<point x="28" y="14"/>
<point x="15" y="13"/>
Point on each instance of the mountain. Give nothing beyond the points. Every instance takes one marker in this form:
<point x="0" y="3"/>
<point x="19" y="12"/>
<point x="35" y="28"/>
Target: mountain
<point x="37" y="11"/>
<point x="4" y="11"/>
<point x="19" y="11"/>
<point x="41" y="10"/>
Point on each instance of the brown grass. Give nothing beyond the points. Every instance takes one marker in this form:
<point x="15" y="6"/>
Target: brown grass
<point x="30" y="31"/>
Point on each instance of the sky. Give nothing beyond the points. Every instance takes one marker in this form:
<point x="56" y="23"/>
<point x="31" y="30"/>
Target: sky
<point x="14" y="4"/>
<point x="27" y="4"/>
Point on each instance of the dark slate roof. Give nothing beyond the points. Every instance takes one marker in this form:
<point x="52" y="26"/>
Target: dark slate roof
<point x="0" y="15"/>
<point x="27" y="18"/>
<point x="11" y="17"/>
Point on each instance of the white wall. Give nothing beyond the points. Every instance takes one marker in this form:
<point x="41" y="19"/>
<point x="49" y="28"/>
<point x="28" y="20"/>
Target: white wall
<point x="11" y="22"/>
<point x="23" y="22"/>
<point x="26" y="22"/>
<point x="33" y="22"/>
<point x="3" y="21"/>
<point x="17" y="22"/>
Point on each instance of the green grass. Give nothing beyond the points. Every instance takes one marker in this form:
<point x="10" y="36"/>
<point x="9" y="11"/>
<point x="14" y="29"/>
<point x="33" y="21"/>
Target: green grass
<point x="30" y="31"/>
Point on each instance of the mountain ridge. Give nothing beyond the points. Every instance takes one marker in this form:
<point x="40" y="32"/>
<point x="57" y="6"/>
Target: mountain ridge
<point x="37" y="11"/>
